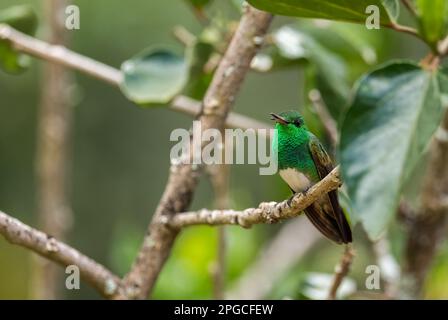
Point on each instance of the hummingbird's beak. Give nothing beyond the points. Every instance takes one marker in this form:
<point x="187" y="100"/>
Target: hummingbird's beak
<point x="278" y="119"/>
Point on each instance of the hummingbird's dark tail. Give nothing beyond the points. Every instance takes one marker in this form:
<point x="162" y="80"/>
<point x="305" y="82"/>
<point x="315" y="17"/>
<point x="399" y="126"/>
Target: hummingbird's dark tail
<point x="327" y="216"/>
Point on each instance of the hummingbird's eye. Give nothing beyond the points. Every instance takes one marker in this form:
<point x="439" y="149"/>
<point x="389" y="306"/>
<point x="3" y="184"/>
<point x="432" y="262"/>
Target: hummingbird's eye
<point x="298" y="123"/>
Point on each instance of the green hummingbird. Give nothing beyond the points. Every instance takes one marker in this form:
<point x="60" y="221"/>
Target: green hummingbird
<point x="302" y="162"/>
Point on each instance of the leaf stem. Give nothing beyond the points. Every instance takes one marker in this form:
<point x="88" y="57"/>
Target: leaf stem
<point x="410" y="7"/>
<point x="405" y="29"/>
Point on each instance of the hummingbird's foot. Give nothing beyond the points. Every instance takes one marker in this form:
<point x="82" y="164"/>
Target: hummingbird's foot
<point x="305" y="191"/>
<point x="289" y="201"/>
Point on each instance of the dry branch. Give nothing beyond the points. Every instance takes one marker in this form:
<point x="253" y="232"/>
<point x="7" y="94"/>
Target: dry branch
<point x="341" y="271"/>
<point x="322" y="112"/>
<point x="220" y="179"/>
<point x="20" y="234"/>
<point x="428" y="228"/>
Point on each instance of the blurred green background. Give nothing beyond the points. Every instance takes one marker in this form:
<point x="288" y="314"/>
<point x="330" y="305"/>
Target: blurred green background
<point x="121" y="158"/>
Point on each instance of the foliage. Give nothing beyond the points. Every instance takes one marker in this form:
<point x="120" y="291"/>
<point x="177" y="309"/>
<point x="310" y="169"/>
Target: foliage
<point x="22" y="18"/>
<point x="154" y="76"/>
<point x="340" y="10"/>
<point x="395" y="112"/>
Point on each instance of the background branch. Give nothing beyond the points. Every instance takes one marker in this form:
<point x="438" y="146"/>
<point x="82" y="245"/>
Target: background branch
<point x="20" y="234"/>
<point x="341" y="271"/>
<point x="220" y="180"/>
<point x="322" y="112"/>
<point x="219" y="177"/>
<point x="428" y="228"/>
<point x="55" y="114"/>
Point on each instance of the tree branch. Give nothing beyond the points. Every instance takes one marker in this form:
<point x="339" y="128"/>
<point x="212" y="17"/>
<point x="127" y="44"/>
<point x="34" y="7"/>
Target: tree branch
<point x="60" y="55"/>
<point x="53" y="160"/>
<point x="20" y="234"/>
<point x="341" y="271"/>
<point x="322" y="111"/>
<point x="428" y="228"/>
<point x="266" y="212"/>
<point x="183" y="178"/>
<point x="220" y="179"/>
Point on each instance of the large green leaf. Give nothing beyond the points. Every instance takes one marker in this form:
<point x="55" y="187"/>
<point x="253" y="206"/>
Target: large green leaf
<point x="433" y="17"/>
<point x="396" y="110"/>
<point x="342" y="10"/>
<point x="24" y="19"/>
<point x="154" y="76"/>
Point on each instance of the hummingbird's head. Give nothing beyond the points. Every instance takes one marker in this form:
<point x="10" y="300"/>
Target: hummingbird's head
<point x="292" y="120"/>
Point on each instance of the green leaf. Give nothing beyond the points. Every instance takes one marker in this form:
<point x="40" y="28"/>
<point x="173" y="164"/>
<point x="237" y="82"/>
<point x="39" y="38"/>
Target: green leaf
<point x="24" y="19"/>
<point x="154" y="76"/>
<point x="433" y="18"/>
<point x="342" y="10"/>
<point x="393" y="8"/>
<point x="396" y="110"/>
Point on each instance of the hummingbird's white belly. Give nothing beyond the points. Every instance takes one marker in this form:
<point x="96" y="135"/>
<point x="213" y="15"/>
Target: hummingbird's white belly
<point x="296" y="180"/>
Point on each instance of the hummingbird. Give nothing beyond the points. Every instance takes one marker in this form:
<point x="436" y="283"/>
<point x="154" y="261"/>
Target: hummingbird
<point x="302" y="162"/>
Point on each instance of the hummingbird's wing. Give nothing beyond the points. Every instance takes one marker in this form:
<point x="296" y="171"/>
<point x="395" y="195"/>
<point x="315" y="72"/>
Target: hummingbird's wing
<point x="326" y="213"/>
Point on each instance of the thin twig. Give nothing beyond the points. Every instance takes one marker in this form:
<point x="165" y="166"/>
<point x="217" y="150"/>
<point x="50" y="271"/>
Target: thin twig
<point x="342" y="269"/>
<point x="65" y="57"/>
<point x="184" y="36"/>
<point x="220" y="179"/>
<point x="410" y="6"/>
<point x="20" y="234"/>
<point x="404" y="29"/>
<point x="325" y="116"/>
<point x="428" y="228"/>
